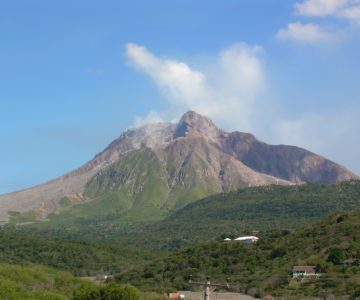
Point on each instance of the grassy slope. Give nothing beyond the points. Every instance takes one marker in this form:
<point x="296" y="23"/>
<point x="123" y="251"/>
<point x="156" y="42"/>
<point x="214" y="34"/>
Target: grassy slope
<point x="138" y="188"/>
<point x="134" y="189"/>
<point x="138" y="175"/>
<point x="266" y="267"/>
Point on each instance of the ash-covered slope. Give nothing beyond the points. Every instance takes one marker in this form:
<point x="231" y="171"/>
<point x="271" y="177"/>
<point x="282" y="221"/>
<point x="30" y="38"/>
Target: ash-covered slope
<point x="286" y="162"/>
<point x="193" y="159"/>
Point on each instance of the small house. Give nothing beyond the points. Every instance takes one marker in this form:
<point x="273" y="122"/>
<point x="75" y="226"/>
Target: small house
<point x="267" y="297"/>
<point x="247" y="239"/>
<point x="227" y="240"/>
<point x="303" y="271"/>
<point x="348" y="262"/>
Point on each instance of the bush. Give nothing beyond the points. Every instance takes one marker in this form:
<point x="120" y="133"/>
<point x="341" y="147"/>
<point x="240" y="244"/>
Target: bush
<point x="336" y="256"/>
<point x="110" y="291"/>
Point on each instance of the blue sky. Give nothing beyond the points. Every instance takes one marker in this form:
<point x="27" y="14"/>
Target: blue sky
<point x="75" y="74"/>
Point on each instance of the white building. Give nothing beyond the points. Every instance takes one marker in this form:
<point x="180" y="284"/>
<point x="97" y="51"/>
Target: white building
<point x="304" y="271"/>
<point x="247" y="239"/>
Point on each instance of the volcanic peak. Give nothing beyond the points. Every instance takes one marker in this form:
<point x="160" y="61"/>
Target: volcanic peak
<point x="193" y="124"/>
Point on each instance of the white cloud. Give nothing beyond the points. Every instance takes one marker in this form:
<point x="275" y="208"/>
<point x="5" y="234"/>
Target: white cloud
<point x="352" y="13"/>
<point x="224" y="93"/>
<point x="320" y="8"/>
<point x="230" y="92"/>
<point x="348" y="9"/>
<point x="241" y="70"/>
<point x="305" y="33"/>
<point x="177" y="80"/>
<point x="313" y="33"/>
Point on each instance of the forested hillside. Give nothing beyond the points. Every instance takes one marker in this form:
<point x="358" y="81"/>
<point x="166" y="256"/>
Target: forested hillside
<point x="80" y="258"/>
<point x="256" y="208"/>
<point x="34" y="282"/>
<point x="266" y="266"/>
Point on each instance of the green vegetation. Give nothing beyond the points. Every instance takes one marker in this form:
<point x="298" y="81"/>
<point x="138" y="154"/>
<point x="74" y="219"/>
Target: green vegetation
<point x="80" y="258"/>
<point x="141" y="180"/>
<point x="256" y="208"/>
<point x="142" y="186"/>
<point x="136" y="181"/>
<point x="266" y="266"/>
<point x="256" y="269"/>
<point x="65" y="202"/>
<point x="110" y="291"/>
<point x="29" y="216"/>
<point x="34" y="282"/>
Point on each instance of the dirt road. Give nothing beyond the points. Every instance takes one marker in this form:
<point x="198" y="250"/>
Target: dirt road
<point x="216" y="296"/>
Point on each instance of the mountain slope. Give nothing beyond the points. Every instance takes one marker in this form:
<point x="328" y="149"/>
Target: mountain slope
<point x="256" y="208"/>
<point x="172" y="176"/>
<point x="286" y="162"/>
<point x="193" y="159"/>
<point x="44" y="198"/>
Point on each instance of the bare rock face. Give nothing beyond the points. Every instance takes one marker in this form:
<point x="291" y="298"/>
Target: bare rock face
<point x="224" y="160"/>
<point x="194" y="125"/>
<point x="286" y="162"/>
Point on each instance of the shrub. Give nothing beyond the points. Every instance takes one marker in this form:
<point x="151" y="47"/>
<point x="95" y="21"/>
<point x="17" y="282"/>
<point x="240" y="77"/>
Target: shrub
<point x="110" y="291"/>
<point x="336" y="256"/>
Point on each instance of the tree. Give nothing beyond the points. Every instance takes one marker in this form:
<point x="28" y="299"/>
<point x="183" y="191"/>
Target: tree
<point x="336" y="256"/>
<point x="110" y="291"/>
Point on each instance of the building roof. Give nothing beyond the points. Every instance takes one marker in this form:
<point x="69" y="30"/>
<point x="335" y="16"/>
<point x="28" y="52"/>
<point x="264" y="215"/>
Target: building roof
<point x="174" y="295"/>
<point x="304" y="269"/>
<point x="243" y="238"/>
<point x="227" y="239"/>
<point x="349" y="261"/>
<point x="268" y="297"/>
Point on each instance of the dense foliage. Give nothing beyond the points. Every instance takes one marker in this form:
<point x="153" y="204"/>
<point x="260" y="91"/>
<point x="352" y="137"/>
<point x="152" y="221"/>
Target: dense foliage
<point x="266" y="266"/>
<point x="256" y="269"/>
<point x="80" y="258"/>
<point x="34" y="282"/>
<point x="256" y="208"/>
<point x="110" y="291"/>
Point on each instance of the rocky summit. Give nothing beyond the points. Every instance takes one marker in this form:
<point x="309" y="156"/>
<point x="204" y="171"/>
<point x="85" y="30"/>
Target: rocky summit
<point x="164" y="166"/>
